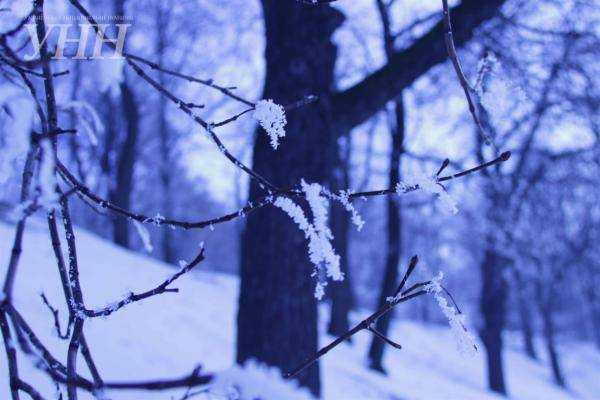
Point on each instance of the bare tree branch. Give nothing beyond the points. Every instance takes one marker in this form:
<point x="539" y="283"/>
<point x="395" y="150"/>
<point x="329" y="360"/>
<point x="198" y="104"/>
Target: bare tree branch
<point x="358" y="103"/>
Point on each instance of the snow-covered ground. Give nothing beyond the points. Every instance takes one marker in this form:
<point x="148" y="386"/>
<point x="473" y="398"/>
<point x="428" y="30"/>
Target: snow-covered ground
<point x="168" y="335"/>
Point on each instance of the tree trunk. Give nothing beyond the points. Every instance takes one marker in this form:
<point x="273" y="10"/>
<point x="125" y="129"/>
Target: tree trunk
<point x="594" y="312"/>
<point x="524" y="316"/>
<point x="493" y="310"/>
<point x="526" y="330"/>
<point x="166" y="168"/>
<point x="121" y="193"/>
<point x="551" y="347"/>
<point x="340" y="293"/>
<point x="545" y="295"/>
<point x="596" y="324"/>
<point x="394" y="236"/>
<point x="277" y="315"/>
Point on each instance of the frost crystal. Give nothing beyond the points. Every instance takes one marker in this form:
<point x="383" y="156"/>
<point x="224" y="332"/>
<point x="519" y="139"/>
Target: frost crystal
<point x="158" y="219"/>
<point x="144" y="236"/>
<point x="271" y="117"/>
<point x="430" y="184"/>
<point x="495" y="92"/>
<point x="320" y="290"/>
<point x="344" y="199"/>
<point x="319" y="235"/>
<point x="465" y="341"/>
<point x="111" y="75"/>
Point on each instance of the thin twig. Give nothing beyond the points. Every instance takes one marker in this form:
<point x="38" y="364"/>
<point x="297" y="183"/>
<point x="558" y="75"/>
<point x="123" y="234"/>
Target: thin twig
<point x="365" y="324"/>
<point x="54" y="312"/>
<point x="384" y="338"/>
<point x="160" y="289"/>
<point x="464" y="83"/>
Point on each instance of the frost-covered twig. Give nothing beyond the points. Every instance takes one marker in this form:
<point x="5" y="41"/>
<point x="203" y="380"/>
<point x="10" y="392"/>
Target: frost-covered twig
<point x="431" y="185"/>
<point x="144" y="236"/>
<point x="160" y="289"/>
<point x="252" y="205"/>
<point x="318" y="234"/>
<point x="464" y="339"/>
<point x="146" y="219"/>
<point x="464" y="83"/>
<point x="367" y="323"/>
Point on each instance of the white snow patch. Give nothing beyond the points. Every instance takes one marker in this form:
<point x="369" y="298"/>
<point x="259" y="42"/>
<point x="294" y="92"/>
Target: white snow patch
<point x="256" y="381"/>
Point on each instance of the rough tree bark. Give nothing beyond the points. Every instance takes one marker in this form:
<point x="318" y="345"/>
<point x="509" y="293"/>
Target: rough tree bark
<point x="277" y="316"/>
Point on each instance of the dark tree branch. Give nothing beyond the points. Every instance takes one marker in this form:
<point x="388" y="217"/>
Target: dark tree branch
<point x="367" y="323"/>
<point x="359" y="102"/>
<point x="381" y="336"/>
<point x="363" y="325"/>
<point x="58" y="371"/>
<point x="11" y="356"/>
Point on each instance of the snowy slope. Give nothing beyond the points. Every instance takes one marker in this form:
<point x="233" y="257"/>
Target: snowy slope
<point x="169" y="335"/>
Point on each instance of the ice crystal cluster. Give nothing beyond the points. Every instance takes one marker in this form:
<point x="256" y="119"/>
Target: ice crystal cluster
<point x="318" y="234"/>
<point x="431" y="185"/>
<point x="465" y="341"/>
<point x="271" y="117"/>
